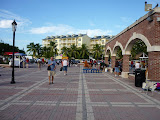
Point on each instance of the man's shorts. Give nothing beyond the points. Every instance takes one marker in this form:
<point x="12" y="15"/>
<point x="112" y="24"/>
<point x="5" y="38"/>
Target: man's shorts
<point x="64" y="68"/>
<point x="116" y="69"/>
<point x="51" y="73"/>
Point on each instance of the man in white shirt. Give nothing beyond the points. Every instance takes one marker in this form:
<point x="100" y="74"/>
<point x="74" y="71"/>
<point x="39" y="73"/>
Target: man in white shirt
<point x="64" y="65"/>
<point x="137" y="65"/>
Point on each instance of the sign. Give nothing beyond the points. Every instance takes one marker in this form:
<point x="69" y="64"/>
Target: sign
<point x="148" y="7"/>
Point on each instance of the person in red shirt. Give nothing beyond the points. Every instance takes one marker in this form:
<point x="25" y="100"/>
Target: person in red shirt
<point x="27" y="63"/>
<point x="43" y="62"/>
<point x="95" y="63"/>
<point x="131" y="64"/>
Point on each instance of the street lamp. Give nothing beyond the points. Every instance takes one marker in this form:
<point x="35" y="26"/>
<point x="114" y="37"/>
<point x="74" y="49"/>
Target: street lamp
<point x="14" y="26"/>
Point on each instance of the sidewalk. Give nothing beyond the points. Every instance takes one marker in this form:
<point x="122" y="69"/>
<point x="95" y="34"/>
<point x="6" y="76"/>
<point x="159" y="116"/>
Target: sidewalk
<point x="77" y="96"/>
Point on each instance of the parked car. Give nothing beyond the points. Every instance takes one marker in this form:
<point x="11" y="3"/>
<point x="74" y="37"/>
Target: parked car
<point x="73" y="61"/>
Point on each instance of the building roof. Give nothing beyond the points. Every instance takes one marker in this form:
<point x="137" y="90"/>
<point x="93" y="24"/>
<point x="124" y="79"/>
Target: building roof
<point x="101" y="37"/>
<point x="64" y="36"/>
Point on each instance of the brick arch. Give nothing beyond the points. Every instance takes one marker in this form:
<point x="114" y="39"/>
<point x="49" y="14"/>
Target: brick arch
<point x="115" y="50"/>
<point x="108" y="49"/>
<point x="133" y="39"/>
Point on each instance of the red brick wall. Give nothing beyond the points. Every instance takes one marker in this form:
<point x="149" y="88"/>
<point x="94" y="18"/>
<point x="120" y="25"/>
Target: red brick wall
<point x="125" y="63"/>
<point x="113" y="60"/>
<point x="157" y="31"/>
<point x="151" y="30"/>
<point x="106" y="60"/>
<point x="154" y="65"/>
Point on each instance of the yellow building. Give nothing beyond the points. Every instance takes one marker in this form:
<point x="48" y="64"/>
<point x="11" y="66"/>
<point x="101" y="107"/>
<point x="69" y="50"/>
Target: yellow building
<point x="67" y="40"/>
<point x="101" y="40"/>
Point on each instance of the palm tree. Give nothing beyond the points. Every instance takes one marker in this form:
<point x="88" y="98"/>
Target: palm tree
<point x="32" y="49"/>
<point x="53" y="48"/>
<point x="97" y="51"/>
<point x="84" y="52"/>
<point x="46" y="52"/>
<point x="74" y="51"/>
<point x="64" y="50"/>
<point x="38" y="49"/>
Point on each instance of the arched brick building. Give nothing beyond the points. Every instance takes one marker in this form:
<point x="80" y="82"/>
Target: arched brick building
<point x="147" y="29"/>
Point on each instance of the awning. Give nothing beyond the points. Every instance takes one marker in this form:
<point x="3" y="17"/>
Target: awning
<point x="20" y="54"/>
<point x="64" y="57"/>
<point x="9" y="53"/>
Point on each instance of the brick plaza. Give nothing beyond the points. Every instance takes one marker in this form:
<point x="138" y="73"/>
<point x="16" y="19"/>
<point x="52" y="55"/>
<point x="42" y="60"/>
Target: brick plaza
<point x="77" y="96"/>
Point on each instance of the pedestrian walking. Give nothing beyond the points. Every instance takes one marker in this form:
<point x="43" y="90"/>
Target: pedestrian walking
<point x="91" y="62"/>
<point x="95" y="63"/>
<point x="51" y="72"/>
<point x="86" y="65"/>
<point x="42" y="61"/>
<point x="116" y="70"/>
<point x="137" y="65"/>
<point x="69" y="62"/>
<point x="131" y="64"/>
<point x="64" y="65"/>
<point x="39" y="63"/>
<point x="27" y="63"/>
<point x="24" y="62"/>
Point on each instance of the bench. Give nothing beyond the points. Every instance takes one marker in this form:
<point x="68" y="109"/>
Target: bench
<point x="92" y="71"/>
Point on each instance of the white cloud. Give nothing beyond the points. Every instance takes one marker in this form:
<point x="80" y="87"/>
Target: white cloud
<point x="59" y="29"/>
<point x="66" y="29"/>
<point x="5" y="23"/>
<point x="7" y="17"/>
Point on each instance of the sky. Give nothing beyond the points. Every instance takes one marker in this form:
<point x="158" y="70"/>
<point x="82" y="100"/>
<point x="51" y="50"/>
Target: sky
<point x="37" y="19"/>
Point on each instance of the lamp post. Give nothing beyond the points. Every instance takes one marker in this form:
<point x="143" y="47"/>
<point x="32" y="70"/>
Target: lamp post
<point x="14" y="26"/>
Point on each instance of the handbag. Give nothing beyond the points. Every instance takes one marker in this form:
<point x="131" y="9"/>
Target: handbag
<point x="49" y="68"/>
<point x="61" y="69"/>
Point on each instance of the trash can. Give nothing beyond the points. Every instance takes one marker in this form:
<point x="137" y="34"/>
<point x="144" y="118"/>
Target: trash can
<point x="139" y="77"/>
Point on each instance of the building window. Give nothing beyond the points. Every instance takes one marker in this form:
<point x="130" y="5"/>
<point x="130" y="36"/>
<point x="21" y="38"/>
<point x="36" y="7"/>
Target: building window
<point x="79" y="44"/>
<point x="79" y="39"/>
<point x="102" y="41"/>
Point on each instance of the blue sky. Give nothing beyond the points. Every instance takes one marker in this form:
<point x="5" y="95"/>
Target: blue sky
<point x="38" y="19"/>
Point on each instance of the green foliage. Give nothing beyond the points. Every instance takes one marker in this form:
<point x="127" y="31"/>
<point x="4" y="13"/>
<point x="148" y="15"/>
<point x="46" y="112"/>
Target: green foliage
<point x="138" y="47"/>
<point x="66" y="51"/>
<point x="46" y="52"/>
<point x="53" y="49"/>
<point x="78" y="53"/>
<point x="4" y="47"/>
<point x="97" y="51"/>
<point x="32" y="49"/>
<point x="119" y="53"/>
<point x="74" y="52"/>
<point x="35" y="49"/>
<point x="38" y="51"/>
<point x="84" y="52"/>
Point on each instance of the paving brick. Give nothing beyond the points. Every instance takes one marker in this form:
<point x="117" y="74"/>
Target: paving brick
<point x="76" y="96"/>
